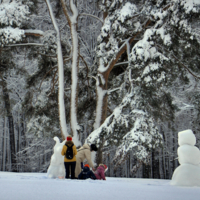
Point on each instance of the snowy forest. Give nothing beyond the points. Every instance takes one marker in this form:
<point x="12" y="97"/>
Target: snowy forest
<point x="123" y="74"/>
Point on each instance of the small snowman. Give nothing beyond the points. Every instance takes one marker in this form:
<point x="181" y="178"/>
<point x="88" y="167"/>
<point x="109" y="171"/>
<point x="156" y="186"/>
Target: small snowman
<point x="56" y="168"/>
<point x="188" y="173"/>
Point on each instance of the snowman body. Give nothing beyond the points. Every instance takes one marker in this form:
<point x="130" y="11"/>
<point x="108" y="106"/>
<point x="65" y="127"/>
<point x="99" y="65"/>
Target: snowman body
<point x="188" y="173"/>
<point x="56" y="168"/>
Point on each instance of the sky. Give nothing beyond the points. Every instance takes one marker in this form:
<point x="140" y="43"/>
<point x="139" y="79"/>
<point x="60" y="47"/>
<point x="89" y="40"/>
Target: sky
<point x="36" y="186"/>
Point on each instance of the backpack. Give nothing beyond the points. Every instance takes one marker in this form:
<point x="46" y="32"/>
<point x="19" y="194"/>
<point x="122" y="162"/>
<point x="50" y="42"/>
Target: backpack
<point x="69" y="153"/>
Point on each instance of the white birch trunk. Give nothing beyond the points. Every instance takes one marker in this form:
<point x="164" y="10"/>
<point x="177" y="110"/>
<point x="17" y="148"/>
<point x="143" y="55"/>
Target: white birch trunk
<point x="101" y="92"/>
<point x="74" y="87"/>
<point x="61" y="103"/>
<point x="74" y="76"/>
<point x="99" y="107"/>
<point x="72" y="20"/>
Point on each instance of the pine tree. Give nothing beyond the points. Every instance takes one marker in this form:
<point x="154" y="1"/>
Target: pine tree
<point x="156" y="42"/>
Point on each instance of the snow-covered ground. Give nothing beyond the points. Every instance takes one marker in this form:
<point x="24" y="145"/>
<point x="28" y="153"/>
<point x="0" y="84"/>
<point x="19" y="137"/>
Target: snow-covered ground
<point x="36" y="186"/>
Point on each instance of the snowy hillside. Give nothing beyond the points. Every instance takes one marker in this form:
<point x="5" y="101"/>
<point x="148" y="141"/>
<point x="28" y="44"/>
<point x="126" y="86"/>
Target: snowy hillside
<point x="36" y="186"/>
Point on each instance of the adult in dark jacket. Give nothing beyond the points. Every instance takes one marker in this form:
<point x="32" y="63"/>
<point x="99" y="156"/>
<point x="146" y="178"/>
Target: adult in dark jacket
<point x="70" y="164"/>
<point x="86" y="173"/>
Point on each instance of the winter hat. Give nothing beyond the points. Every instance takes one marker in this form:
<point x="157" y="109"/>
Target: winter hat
<point x="106" y="168"/>
<point x="86" y="165"/>
<point x="93" y="147"/>
<point x="69" y="138"/>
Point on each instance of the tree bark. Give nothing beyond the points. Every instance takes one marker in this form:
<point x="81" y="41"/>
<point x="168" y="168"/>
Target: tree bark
<point x="61" y="104"/>
<point x="74" y="84"/>
<point x="73" y="21"/>
<point x="10" y="124"/>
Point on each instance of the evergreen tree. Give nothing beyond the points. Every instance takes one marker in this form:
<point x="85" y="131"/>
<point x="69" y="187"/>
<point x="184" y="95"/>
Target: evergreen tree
<point x="159" y="41"/>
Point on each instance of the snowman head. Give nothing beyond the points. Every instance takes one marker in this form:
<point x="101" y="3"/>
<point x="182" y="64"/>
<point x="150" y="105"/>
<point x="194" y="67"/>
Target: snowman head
<point x="186" y="137"/>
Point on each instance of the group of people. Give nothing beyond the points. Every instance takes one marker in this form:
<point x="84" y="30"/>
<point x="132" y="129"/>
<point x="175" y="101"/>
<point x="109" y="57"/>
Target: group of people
<point x="74" y="162"/>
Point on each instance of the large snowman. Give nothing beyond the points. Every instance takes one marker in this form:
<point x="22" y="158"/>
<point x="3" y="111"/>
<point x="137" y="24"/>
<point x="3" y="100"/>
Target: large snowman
<point x="56" y="168"/>
<point x="188" y="173"/>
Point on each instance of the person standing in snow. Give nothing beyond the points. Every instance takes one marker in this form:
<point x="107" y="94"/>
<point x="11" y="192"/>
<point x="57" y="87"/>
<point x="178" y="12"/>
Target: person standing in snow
<point x="100" y="172"/>
<point x="86" y="173"/>
<point x="69" y="151"/>
<point x="84" y="153"/>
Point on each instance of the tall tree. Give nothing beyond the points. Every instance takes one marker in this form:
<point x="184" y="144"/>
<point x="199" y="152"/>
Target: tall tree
<point x="72" y="18"/>
<point x="61" y="104"/>
<point x="148" y="38"/>
<point x="13" y="16"/>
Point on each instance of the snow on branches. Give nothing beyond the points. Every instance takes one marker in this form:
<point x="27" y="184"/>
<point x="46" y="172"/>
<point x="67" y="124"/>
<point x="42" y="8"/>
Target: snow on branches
<point x="50" y="42"/>
<point x="163" y="43"/>
<point x="13" y="15"/>
<point x="117" y="26"/>
<point x="162" y="46"/>
<point x="10" y="35"/>
<point x="131" y="129"/>
<point x="109" y="4"/>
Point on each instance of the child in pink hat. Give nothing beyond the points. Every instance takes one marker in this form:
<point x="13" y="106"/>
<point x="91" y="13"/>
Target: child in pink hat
<point x="100" y="172"/>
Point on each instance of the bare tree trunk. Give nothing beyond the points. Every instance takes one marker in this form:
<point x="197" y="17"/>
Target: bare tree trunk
<point x="74" y="78"/>
<point x="102" y="99"/>
<point x="3" y="143"/>
<point x="61" y="104"/>
<point x="73" y="21"/>
<point x="4" y="146"/>
<point x="10" y="124"/>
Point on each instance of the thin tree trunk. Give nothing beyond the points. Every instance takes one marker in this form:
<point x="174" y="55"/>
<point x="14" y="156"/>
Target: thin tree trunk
<point x="74" y="86"/>
<point x="73" y="21"/>
<point x="10" y="125"/>
<point x="4" y="146"/>
<point x="61" y="104"/>
<point x="3" y="143"/>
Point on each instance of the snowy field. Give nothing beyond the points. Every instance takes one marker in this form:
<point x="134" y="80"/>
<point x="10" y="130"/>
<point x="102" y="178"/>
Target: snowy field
<point x="36" y="186"/>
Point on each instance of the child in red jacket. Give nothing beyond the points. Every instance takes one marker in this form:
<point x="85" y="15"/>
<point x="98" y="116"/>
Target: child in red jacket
<point x="100" y="172"/>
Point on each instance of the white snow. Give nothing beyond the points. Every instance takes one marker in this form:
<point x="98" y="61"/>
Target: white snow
<point x="101" y="67"/>
<point x="188" y="154"/>
<point x="39" y="32"/>
<point x="165" y="37"/>
<point x="36" y="186"/>
<point x="127" y="10"/>
<point x="11" y="35"/>
<point x="100" y="93"/>
<point x="189" y="4"/>
<point x="56" y="168"/>
<point x="186" y="137"/>
<point x="13" y="13"/>
<point x="74" y="9"/>
<point x="74" y="85"/>
<point x="188" y="173"/>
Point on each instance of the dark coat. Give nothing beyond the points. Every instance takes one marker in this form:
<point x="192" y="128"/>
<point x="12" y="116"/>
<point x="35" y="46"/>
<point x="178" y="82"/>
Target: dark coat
<point x="86" y="173"/>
